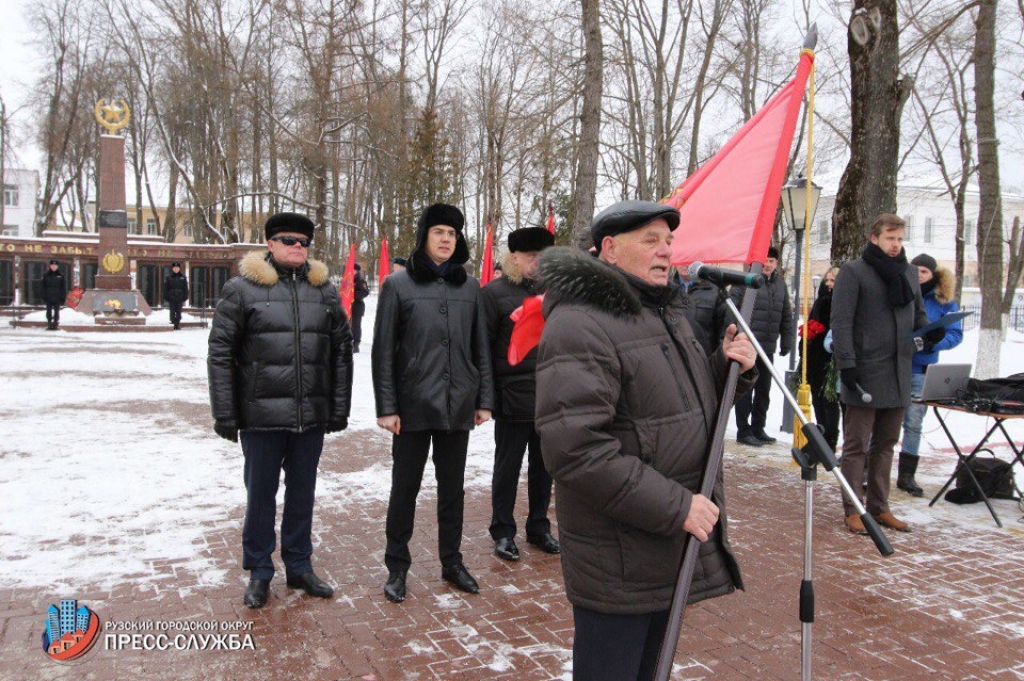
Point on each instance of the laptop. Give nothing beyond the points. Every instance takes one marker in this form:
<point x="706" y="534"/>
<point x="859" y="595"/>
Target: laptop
<point x="944" y="382"/>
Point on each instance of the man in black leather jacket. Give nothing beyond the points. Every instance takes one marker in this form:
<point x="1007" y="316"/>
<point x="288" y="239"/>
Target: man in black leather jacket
<point x="514" y="401"/>
<point x="280" y="370"/>
<point x="432" y="384"/>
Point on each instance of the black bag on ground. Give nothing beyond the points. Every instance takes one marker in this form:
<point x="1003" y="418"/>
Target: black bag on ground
<point x="994" y="475"/>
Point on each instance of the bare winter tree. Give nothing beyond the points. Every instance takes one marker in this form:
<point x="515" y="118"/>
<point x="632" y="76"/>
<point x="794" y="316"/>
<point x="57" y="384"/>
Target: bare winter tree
<point x="590" y="122"/>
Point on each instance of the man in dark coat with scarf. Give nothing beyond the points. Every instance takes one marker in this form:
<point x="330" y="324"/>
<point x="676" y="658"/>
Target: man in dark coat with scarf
<point x="626" y="405"/>
<point x="432" y="383"/>
<point x="55" y="292"/>
<point x="176" y="293"/>
<point x="280" y="370"/>
<point x="876" y="305"/>
<point x="515" y="400"/>
<point x="772" y="324"/>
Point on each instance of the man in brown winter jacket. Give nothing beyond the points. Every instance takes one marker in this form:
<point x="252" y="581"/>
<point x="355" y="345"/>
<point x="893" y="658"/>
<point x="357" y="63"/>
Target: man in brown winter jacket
<point x="626" y="405"/>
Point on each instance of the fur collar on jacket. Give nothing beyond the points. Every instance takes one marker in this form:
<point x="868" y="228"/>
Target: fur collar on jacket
<point x="945" y="285"/>
<point x="572" y="276"/>
<point x="257" y="268"/>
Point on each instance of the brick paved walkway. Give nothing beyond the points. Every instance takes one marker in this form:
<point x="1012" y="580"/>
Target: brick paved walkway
<point x="949" y="605"/>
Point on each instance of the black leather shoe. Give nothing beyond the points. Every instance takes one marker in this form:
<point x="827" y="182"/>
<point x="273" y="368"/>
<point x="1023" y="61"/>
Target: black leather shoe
<point x="545" y="542"/>
<point x="506" y="549"/>
<point x="394" y="590"/>
<point x="458" y="576"/>
<point x="256" y="594"/>
<point x="312" y="585"/>
<point x="750" y="440"/>
<point x="763" y="436"/>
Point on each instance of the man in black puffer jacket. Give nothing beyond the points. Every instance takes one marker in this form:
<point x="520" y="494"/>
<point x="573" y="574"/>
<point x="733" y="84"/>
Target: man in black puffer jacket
<point x="432" y="383"/>
<point x="280" y="370"/>
<point x="772" y="324"/>
<point x="55" y="292"/>
<point x="515" y="399"/>
<point x="176" y="293"/>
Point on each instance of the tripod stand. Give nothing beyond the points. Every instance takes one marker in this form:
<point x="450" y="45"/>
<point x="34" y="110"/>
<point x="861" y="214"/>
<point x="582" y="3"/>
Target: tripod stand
<point x="815" y="452"/>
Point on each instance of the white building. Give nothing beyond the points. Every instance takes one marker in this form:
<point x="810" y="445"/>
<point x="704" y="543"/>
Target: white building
<point x="21" y="188"/>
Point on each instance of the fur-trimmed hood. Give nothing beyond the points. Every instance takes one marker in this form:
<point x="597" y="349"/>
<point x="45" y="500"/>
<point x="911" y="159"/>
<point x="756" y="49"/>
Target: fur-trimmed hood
<point x="572" y="276"/>
<point x="945" y="285"/>
<point x="258" y="268"/>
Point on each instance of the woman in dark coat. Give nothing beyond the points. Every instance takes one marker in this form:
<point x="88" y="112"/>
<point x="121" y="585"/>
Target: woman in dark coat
<point x="826" y="410"/>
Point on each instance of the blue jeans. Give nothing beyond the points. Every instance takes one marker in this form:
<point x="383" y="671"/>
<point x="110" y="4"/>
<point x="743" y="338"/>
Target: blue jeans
<point x="913" y="418"/>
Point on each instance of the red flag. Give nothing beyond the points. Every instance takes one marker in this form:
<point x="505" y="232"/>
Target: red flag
<point x="529" y="324"/>
<point x="728" y="206"/>
<point x="551" y="218"/>
<point x="384" y="268"/>
<point x="347" y="290"/>
<point x="487" y="266"/>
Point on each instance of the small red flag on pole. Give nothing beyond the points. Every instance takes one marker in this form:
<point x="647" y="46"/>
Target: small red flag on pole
<point x="487" y="266"/>
<point x="347" y="290"/>
<point x="551" y="218"/>
<point x="384" y="268"/>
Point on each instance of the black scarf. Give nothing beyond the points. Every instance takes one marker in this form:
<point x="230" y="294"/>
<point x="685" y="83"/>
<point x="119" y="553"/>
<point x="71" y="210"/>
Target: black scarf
<point x="892" y="270"/>
<point x="928" y="286"/>
<point x="421" y="268"/>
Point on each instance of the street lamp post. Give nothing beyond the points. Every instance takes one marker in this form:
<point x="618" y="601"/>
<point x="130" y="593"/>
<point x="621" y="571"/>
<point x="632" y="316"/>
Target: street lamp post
<point x="799" y="203"/>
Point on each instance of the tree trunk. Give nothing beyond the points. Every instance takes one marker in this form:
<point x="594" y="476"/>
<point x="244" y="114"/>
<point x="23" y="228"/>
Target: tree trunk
<point x="590" y="124"/>
<point x="990" y="213"/>
<point x="868" y="185"/>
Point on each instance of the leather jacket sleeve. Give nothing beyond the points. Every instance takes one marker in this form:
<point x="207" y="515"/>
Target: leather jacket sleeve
<point x="341" y="359"/>
<point x="385" y="339"/>
<point x="482" y="359"/>
<point x="225" y="338"/>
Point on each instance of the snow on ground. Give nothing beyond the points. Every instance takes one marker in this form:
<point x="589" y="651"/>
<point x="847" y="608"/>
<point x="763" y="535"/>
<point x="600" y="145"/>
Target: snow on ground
<point x="75" y="318"/>
<point x="99" y="480"/>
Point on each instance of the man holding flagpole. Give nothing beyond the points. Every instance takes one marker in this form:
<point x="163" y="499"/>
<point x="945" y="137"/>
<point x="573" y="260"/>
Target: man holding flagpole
<point x="626" y="405"/>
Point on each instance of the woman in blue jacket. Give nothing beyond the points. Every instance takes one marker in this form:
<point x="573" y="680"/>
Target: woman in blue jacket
<point x="938" y="285"/>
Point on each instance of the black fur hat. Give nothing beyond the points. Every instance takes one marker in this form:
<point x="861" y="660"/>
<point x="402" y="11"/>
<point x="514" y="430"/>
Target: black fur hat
<point x="441" y="214"/>
<point x="530" y="239"/>
<point x="288" y="222"/>
<point x="398" y="261"/>
<point x="625" y="216"/>
<point x="773" y="252"/>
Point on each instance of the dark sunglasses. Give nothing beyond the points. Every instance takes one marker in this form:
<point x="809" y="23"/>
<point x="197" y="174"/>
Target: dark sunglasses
<point x="291" y="240"/>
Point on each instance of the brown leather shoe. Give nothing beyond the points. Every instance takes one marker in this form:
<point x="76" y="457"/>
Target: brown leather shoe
<point x="854" y="524"/>
<point x="892" y="522"/>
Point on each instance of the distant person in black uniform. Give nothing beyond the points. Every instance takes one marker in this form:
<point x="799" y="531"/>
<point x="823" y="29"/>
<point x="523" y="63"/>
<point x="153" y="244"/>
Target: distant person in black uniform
<point x="362" y="290"/>
<point x="515" y="401"/>
<point x="55" y="292"/>
<point x="175" y="293"/>
<point x="705" y="308"/>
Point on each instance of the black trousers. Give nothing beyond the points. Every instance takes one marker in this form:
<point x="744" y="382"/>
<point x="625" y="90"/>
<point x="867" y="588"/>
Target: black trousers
<point x="52" y="314"/>
<point x="616" y="647"/>
<point x="358" y="310"/>
<point x="752" y="408"/>
<point x="267" y="452"/>
<point x="511" y="441"/>
<point x="826" y="413"/>
<point x="175" y="309"/>
<point x="409" y="457"/>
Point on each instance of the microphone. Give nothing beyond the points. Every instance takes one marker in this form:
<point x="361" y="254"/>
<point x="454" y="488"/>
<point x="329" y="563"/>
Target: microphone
<point x="865" y="396"/>
<point x="698" y="270"/>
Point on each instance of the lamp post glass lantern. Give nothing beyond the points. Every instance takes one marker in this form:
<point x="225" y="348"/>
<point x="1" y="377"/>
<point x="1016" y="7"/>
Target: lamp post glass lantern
<point x="799" y="203"/>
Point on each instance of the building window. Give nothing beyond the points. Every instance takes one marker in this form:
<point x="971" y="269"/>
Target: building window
<point x="11" y="195"/>
<point x="824" y="233"/>
<point x="187" y="229"/>
<point x="9" y="230"/>
<point x="969" y="231"/>
<point x="131" y="226"/>
<point x="908" y="233"/>
<point x="151" y="226"/>
<point x="928" y="225"/>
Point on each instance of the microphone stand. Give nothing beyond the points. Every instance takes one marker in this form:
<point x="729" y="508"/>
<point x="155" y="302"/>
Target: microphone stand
<point x="815" y="451"/>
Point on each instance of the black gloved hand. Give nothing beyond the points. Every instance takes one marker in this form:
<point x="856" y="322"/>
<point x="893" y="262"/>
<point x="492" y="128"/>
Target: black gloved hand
<point x="927" y="346"/>
<point x="337" y="425"/>
<point x="783" y="352"/>
<point x="933" y="338"/>
<point x="227" y="430"/>
<point x="850" y="377"/>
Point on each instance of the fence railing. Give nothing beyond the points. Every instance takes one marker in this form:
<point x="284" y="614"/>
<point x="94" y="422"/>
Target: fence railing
<point x="1015" y="319"/>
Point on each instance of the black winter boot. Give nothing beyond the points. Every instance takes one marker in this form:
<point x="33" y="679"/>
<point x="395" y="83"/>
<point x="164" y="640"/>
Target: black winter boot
<point x="905" y="477"/>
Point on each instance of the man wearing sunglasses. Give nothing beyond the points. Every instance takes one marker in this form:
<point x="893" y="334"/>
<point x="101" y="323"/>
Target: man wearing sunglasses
<point x="280" y="370"/>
